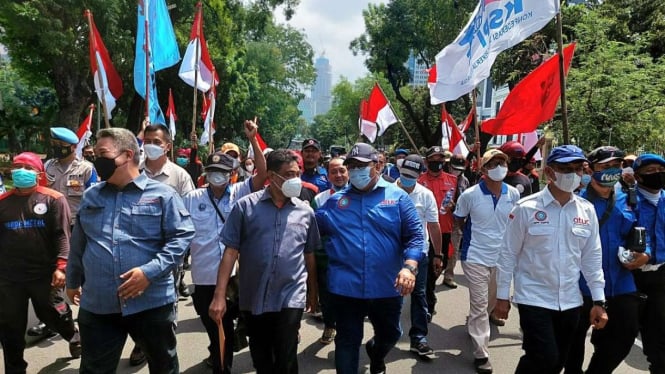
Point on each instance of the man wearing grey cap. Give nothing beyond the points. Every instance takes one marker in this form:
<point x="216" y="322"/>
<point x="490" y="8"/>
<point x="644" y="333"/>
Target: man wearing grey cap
<point x="375" y="243"/>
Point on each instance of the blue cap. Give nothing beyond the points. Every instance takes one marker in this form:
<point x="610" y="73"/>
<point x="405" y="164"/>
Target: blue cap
<point x="646" y="159"/>
<point x="401" y="151"/>
<point x="564" y="154"/>
<point x="64" y="134"/>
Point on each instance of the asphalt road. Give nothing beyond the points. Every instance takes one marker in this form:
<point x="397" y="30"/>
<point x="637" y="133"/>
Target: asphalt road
<point x="447" y="336"/>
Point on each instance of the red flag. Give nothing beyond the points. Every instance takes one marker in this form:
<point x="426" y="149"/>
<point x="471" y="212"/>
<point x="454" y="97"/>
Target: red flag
<point x="84" y="133"/>
<point x="431" y="76"/>
<point x="201" y="61"/>
<point x="209" y="119"/>
<point x="533" y="100"/>
<point x="170" y="113"/>
<point x="452" y="139"/>
<point x="377" y="113"/>
<point x="464" y="125"/>
<point x="108" y="84"/>
<point x="262" y="146"/>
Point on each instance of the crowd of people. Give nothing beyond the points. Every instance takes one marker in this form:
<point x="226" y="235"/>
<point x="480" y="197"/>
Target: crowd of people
<point x="268" y="237"/>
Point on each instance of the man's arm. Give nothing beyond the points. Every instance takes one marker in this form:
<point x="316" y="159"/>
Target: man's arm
<point x="312" y="285"/>
<point x="259" y="179"/>
<point x="513" y="241"/>
<point x="75" y="263"/>
<point x="217" y="306"/>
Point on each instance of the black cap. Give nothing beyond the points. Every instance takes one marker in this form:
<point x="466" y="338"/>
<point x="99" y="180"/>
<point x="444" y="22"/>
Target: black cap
<point x="412" y="166"/>
<point x="458" y="162"/>
<point x="605" y="154"/>
<point x="362" y="152"/>
<point x="222" y="162"/>
<point x="311" y="142"/>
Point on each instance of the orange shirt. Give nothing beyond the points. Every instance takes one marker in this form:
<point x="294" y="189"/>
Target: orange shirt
<point x="441" y="185"/>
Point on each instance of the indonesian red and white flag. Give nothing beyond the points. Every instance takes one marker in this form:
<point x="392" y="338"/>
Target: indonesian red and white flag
<point x="452" y="139"/>
<point x="170" y="113"/>
<point x="464" y="125"/>
<point x="209" y="119"/>
<point x="376" y="115"/>
<point x="494" y="26"/>
<point x="84" y="133"/>
<point x="262" y="145"/>
<point x="108" y="85"/>
<point x="197" y="58"/>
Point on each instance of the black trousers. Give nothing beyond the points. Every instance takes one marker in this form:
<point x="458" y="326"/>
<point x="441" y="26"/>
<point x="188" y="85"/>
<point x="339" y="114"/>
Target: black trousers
<point x="202" y="298"/>
<point x="611" y="344"/>
<point x="14" y="297"/>
<point x="548" y="335"/>
<point x="273" y="340"/>
<point x="430" y="291"/>
<point x="652" y="283"/>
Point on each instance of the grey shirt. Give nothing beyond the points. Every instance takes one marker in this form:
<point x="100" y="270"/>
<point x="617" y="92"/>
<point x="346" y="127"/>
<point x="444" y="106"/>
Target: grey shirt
<point x="271" y="242"/>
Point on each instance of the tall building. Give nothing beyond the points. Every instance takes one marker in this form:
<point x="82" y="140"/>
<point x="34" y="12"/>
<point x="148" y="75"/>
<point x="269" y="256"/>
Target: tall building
<point x="417" y="70"/>
<point x="322" y="90"/>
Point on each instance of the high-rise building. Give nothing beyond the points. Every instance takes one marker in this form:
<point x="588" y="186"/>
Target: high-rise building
<point x="418" y="71"/>
<point x="322" y="90"/>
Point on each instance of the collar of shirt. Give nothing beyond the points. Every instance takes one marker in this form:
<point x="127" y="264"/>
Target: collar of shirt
<point x="166" y="169"/>
<point x="548" y="198"/>
<point x="139" y="182"/>
<point x="266" y="196"/>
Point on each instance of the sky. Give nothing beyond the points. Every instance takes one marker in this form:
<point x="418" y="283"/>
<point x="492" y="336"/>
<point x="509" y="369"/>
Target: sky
<point x="330" y="26"/>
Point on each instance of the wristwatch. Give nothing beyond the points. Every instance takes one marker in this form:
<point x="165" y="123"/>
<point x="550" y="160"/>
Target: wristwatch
<point x="601" y="303"/>
<point x="411" y="268"/>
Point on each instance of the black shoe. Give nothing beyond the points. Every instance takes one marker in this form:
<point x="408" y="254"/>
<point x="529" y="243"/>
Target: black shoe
<point x="183" y="290"/>
<point x="208" y="362"/>
<point x="137" y="357"/>
<point x="422" y="349"/>
<point x="482" y="365"/>
<point x="40" y="329"/>
<point x="376" y="366"/>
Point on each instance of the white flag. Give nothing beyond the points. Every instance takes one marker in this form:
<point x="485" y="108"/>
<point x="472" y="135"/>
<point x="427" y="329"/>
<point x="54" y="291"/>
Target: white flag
<point x="495" y="25"/>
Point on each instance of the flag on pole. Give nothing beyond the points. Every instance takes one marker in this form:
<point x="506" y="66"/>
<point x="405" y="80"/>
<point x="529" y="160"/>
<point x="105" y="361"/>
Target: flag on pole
<point x="84" y="133"/>
<point x="170" y="112"/>
<point x="528" y="140"/>
<point x="376" y="114"/>
<point x="494" y="26"/>
<point x="366" y="127"/>
<point x="533" y="100"/>
<point x="262" y="146"/>
<point x="108" y="85"/>
<point x="160" y="50"/>
<point x="452" y="139"/>
<point x="209" y="119"/>
<point x="197" y="57"/>
<point x="464" y="125"/>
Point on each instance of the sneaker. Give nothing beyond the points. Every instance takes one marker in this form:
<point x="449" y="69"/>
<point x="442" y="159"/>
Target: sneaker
<point x="483" y="365"/>
<point x="376" y="366"/>
<point x="137" y="357"/>
<point x="422" y="349"/>
<point x="450" y="283"/>
<point x="75" y="347"/>
<point x="328" y="336"/>
<point x="497" y="321"/>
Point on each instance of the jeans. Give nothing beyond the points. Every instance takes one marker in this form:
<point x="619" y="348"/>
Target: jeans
<point x="103" y="336"/>
<point x="652" y="283"/>
<point x="202" y="297"/>
<point x="611" y="344"/>
<point x="384" y="314"/>
<point x="431" y="276"/>
<point x="273" y="340"/>
<point x="547" y="337"/>
<point x="419" y="312"/>
<point x="14" y="297"/>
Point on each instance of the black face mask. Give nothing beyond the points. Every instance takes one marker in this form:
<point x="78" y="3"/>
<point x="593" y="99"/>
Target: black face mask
<point x="435" y="166"/>
<point x="514" y="165"/>
<point x="654" y="181"/>
<point x="90" y="158"/>
<point x="60" y="151"/>
<point x="105" y="167"/>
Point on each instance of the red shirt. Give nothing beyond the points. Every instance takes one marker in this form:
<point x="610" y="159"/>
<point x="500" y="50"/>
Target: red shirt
<point x="441" y="185"/>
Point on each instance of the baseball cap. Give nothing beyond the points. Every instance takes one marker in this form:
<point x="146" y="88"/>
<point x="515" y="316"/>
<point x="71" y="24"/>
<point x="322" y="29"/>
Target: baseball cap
<point x="401" y="151"/>
<point x="605" y="154"/>
<point x="647" y="159"/>
<point x="458" y="162"/>
<point x="490" y="154"/>
<point x="311" y="142"/>
<point x="29" y="158"/>
<point x="564" y="154"/>
<point x="412" y="166"/>
<point x="228" y="147"/>
<point x="437" y="150"/>
<point x="64" y="134"/>
<point x="630" y="158"/>
<point x="221" y="161"/>
<point x="362" y="152"/>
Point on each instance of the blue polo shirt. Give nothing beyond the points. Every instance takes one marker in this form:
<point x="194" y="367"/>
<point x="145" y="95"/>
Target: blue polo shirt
<point x="371" y="234"/>
<point x="318" y="177"/>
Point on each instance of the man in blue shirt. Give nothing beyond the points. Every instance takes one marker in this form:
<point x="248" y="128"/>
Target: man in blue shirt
<point x="650" y="278"/>
<point x="130" y="235"/>
<point x="375" y="243"/>
<point x="312" y="172"/>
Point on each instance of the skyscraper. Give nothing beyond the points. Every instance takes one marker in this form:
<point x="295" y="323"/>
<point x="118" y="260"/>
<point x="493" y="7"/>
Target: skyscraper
<point x="321" y="92"/>
<point x="418" y="71"/>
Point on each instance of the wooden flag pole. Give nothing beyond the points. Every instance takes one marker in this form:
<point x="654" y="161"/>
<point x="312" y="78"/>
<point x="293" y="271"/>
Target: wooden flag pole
<point x="222" y="342"/>
<point x="196" y="75"/>
<point x="88" y="13"/>
<point x="476" y="125"/>
<point x="562" y="79"/>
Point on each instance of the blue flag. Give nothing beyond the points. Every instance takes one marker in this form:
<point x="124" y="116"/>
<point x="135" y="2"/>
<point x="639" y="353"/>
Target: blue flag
<point x="162" y="48"/>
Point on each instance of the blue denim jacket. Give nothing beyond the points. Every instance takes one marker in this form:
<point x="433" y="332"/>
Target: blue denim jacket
<point x="143" y="225"/>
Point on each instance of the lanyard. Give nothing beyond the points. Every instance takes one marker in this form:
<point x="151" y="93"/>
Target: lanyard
<point x="212" y="200"/>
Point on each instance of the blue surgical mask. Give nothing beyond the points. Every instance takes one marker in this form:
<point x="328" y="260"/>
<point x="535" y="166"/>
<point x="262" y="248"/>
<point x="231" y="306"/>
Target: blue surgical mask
<point x="182" y="161"/>
<point x="24" y="178"/>
<point x="360" y="178"/>
<point x="586" y="179"/>
<point x="608" y="177"/>
<point x="407" y="182"/>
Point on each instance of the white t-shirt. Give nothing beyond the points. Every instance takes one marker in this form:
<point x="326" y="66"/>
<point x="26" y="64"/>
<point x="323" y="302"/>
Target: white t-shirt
<point x="426" y="206"/>
<point x="486" y="222"/>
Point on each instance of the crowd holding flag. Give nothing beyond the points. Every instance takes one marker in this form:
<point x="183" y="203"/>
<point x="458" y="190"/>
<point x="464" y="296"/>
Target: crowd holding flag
<point x="108" y="85"/>
<point x="494" y="26"/>
<point x="533" y="101"/>
<point x="156" y="49"/>
<point x="84" y="131"/>
<point x="196" y="68"/>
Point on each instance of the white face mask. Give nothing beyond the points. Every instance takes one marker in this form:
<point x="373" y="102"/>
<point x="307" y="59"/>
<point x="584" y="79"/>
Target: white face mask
<point x="567" y="182"/>
<point x="153" y="151"/>
<point x="217" y="178"/>
<point x="291" y="187"/>
<point x="498" y="173"/>
<point x="249" y="168"/>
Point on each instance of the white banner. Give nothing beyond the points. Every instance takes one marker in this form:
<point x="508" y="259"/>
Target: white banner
<point x="495" y="25"/>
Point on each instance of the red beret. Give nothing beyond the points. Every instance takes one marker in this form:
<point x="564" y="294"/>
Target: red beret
<point x="29" y="158"/>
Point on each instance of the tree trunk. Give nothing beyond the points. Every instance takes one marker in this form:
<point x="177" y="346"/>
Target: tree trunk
<point x="73" y="94"/>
